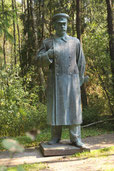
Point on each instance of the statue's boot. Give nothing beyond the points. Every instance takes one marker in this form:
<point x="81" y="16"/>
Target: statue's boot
<point x="79" y="144"/>
<point x="54" y="141"/>
<point x="75" y="136"/>
<point x="55" y="135"/>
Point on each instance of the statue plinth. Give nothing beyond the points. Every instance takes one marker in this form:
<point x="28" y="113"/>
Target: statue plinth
<point x="59" y="149"/>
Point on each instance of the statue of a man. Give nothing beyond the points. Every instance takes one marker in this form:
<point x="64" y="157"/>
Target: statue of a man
<point x="64" y="57"/>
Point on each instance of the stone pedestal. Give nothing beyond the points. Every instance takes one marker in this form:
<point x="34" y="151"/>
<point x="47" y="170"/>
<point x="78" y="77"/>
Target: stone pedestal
<point x="62" y="148"/>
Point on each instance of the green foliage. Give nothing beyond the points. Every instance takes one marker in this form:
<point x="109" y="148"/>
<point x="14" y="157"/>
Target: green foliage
<point x="12" y="145"/>
<point x="96" y="153"/>
<point x="3" y="168"/>
<point x="96" y="49"/>
<point x="36" y="166"/>
<point x="92" y="114"/>
<point x="45" y="135"/>
<point x="20" y="168"/>
<point x="23" y="140"/>
<point x="20" y="109"/>
<point x="28" y="167"/>
<point x="22" y="98"/>
<point x="6" y="15"/>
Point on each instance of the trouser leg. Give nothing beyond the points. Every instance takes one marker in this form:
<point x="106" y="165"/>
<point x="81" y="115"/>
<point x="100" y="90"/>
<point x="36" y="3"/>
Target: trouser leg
<point x="75" y="133"/>
<point x="56" y="132"/>
<point x="75" y="136"/>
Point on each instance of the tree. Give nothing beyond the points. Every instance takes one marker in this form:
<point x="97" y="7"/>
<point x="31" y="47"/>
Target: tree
<point x="14" y="31"/>
<point x="95" y="41"/>
<point x="4" y="37"/>
<point x="110" y="32"/>
<point x="18" y="30"/>
<point x="78" y="29"/>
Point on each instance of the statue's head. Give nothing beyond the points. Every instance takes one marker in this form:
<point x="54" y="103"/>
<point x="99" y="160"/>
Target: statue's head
<point x="60" y="23"/>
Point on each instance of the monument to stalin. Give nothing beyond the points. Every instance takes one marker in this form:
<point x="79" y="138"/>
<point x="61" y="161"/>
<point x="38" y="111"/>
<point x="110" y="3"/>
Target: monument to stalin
<point x="64" y="57"/>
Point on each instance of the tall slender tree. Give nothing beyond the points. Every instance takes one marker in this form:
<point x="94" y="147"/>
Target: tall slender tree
<point x="18" y="30"/>
<point x="78" y="29"/>
<point x="4" y="37"/>
<point x="110" y="32"/>
<point x="14" y="31"/>
<point x="38" y="69"/>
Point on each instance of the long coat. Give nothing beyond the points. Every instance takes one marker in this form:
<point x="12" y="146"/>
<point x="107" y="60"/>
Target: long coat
<point x="66" y="75"/>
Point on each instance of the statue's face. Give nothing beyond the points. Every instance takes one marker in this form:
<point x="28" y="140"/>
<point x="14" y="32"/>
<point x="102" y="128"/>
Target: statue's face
<point x="61" y="28"/>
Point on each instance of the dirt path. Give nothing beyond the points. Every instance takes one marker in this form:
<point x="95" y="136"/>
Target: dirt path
<point x="64" y="163"/>
<point x="91" y="164"/>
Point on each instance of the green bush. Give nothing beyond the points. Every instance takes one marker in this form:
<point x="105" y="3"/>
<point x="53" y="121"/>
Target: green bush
<point x="97" y="109"/>
<point x="91" y="114"/>
<point x="20" y="109"/>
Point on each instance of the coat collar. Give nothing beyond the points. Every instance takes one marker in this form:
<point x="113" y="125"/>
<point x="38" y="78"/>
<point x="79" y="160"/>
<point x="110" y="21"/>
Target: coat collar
<point x="64" y="38"/>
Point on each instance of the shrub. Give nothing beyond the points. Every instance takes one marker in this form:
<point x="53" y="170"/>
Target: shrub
<point x="20" y="109"/>
<point x="91" y="114"/>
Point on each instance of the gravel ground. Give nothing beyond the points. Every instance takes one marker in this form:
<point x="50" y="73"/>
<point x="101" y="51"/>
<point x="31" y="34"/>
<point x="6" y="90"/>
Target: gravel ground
<point x="91" y="164"/>
<point x="64" y="163"/>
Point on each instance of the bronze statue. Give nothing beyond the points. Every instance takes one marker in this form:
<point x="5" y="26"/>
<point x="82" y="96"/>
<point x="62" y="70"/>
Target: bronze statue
<point x="64" y="56"/>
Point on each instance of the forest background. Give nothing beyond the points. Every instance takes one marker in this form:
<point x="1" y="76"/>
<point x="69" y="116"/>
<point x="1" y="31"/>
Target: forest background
<point x="23" y="26"/>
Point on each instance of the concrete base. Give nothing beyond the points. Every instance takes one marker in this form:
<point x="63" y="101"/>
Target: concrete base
<point x="62" y="148"/>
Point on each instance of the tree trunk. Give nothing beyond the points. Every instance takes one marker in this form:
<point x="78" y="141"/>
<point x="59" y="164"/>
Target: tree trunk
<point x="73" y="25"/>
<point x="4" y="50"/>
<point x="18" y="30"/>
<point x="14" y="32"/>
<point x="38" y="70"/>
<point x="23" y="6"/>
<point x="78" y="29"/>
<point x="78" y="20"/>
<point x="50" y="25"/>
<point x="28" y="60"/>
<point x="110" y="32"/>
<point x="43" y="19"/>
<point x="4" y="37"/>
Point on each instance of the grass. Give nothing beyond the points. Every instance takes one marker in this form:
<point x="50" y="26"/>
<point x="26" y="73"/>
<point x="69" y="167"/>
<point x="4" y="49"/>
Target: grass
<point x="27" y="167"/>
<point x="45" y="135"/>
<point x="100" y="153"/>
<point x="105" y="152"/>
<point x="108" y="169"/>
<point x="96" y="153"/>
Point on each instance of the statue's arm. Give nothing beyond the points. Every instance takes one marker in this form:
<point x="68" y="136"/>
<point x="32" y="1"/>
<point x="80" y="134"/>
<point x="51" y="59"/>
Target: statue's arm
<point x="81" y="63"/>
<point x="43" y="56"/>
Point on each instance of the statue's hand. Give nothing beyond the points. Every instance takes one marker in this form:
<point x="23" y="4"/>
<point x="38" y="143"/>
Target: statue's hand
<point x="50" y="53"/>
